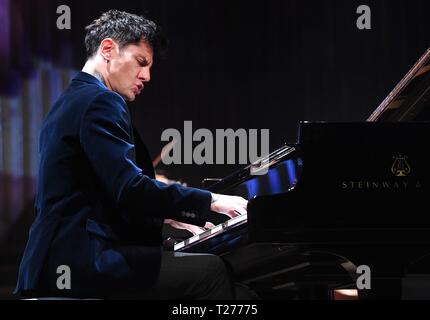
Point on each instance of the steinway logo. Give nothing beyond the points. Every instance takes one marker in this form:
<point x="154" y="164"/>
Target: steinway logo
<point x="385" y="184"/>
<point x="399" y="168"/>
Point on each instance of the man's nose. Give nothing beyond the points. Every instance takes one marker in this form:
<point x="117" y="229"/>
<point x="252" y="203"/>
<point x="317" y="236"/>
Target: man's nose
<point x="145" y="75"/>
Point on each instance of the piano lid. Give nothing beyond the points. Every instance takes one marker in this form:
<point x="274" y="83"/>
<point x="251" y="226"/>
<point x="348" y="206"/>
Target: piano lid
<point x="410" y="99"/>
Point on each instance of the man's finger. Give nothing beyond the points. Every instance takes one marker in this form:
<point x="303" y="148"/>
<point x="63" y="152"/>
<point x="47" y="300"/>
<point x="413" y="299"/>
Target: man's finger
<point x="240" y="210"/>
<point x="232" y="214"/>
<point x="244" y="204"/>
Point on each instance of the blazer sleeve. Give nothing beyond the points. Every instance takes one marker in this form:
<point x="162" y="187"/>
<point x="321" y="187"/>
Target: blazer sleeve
<point x="105" y="136"/>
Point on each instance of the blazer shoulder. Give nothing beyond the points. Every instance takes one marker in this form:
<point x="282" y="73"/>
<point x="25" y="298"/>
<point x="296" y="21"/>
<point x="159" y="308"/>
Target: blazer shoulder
<point x="106" y="107"/>
<point x="109" y="97"/>
<point x="91" y="92"/>
<point x="108" y="101"/>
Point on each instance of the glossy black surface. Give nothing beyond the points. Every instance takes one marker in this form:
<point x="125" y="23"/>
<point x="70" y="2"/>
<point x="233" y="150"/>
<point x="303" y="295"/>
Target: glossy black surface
<point x="350" y="194"/>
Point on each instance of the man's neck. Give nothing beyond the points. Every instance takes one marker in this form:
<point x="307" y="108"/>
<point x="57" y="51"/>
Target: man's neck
<point x="90" y="67"/>
<point x="99" y="77"/>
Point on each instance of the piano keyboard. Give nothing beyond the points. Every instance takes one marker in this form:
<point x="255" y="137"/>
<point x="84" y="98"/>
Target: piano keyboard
<point x="234" y="222"/>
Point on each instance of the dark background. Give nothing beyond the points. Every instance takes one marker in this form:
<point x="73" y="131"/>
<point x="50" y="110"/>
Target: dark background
<point x="242" y="64"/>
<point x="230" y="64"/>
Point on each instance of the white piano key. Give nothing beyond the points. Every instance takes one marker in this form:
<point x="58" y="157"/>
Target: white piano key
<point x="216" y="229"/>
<point x="237" y="220"/>
<point x="193" y="239"/>
<point x="179" y="245"/>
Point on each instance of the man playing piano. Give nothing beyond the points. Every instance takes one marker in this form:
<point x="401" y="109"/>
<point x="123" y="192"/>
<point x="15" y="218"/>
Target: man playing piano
<point x="99" y="212"/>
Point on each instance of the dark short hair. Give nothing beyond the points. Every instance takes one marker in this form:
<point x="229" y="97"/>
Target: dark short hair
<point x="123" y="27"/>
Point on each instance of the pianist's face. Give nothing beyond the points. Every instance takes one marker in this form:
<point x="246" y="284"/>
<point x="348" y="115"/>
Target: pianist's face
<point x="129" y="69"/>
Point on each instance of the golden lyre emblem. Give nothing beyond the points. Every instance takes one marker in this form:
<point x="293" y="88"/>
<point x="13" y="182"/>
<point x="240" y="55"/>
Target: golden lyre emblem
<point x="400" y="167"/>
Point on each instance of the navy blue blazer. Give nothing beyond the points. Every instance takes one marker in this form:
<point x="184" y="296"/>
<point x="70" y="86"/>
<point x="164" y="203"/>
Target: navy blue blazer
<point x="97" y="211"/>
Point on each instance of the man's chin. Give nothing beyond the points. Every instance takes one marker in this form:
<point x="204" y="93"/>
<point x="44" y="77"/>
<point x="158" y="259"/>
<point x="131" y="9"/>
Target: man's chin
<point x="129" y="98"/>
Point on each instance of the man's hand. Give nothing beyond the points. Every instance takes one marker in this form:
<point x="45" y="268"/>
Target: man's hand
<point x="185" y="226"/>
<point x="231" y="206"/>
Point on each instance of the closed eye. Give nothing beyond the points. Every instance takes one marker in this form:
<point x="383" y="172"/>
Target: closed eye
<point x="142" y="62"/>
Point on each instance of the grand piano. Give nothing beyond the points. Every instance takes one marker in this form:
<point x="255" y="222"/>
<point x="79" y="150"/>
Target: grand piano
<point x="345" y="207"/>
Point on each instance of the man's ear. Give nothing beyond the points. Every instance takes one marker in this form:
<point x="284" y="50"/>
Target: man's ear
<point x="107" y="48"/>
